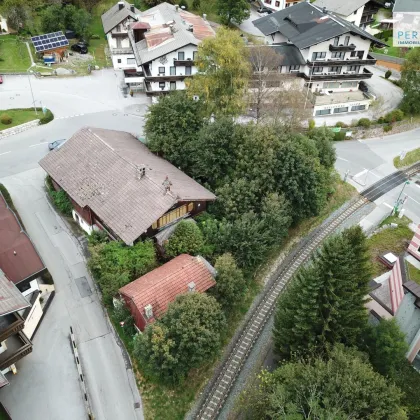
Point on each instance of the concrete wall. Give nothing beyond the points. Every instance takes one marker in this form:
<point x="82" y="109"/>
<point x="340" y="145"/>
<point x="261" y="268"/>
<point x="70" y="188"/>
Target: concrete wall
<point x="348" y="105"/>
<point x="33" y="318"/>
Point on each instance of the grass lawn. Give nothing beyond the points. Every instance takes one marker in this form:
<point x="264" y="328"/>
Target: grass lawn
<point x="410" y="158"/>
<point x="389" y="240"/>
<point x="391" y="51"/>
<point x="414" y="273"/>
<point x="14" y="55"/>
<point x="164" y="402"/>
<point x="19" y="116"/>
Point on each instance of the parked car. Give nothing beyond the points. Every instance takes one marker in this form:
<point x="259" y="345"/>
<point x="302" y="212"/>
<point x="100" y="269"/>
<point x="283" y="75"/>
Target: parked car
<point x="56" y="144"/>
<point x="80" y="47"/>
<point x="264" y="10"/>
<point x="363" y="86"/>
<point x="1" y="79"/>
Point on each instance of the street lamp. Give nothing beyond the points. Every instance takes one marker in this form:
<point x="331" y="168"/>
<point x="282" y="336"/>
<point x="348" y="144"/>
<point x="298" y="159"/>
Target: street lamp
<point x="397" y="203"/>
<point x="30" y="85"/>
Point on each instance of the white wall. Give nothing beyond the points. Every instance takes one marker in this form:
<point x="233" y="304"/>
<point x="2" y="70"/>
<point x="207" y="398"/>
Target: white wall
<point x="127" y="62"/>
<point x="169" y="58"/>
<point x="342" y="105"/>
<point x="81" y="222"/>
<point x="279" y="4"/>
<point x="355" y="17"/>
<point x="33" y="318"/>
<point x="180" y="85"/>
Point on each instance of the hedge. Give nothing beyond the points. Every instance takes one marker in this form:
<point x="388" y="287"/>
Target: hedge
<point x="49" y="116"/>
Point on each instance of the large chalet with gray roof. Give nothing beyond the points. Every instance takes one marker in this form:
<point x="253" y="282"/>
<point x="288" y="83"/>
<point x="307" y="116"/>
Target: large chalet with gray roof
<point x="334" y="53"/>
<point x="117" y="185"/>
<point x="155" y="48"/>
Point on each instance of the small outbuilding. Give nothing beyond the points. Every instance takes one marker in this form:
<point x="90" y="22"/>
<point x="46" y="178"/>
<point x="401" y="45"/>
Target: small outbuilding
<point x="52" y="46"/>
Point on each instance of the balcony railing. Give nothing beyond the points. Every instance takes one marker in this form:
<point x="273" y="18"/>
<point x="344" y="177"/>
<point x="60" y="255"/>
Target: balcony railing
<point x="18" y="346"/>
<point x="11" y="324"/>
<point x="368" y="61"/>
<point x="187" y="63"/>
<point x="365" y="74"/>
<point x="350" y="47"/>
<point x="166" y="78"/>
<point x="128" y="50"/>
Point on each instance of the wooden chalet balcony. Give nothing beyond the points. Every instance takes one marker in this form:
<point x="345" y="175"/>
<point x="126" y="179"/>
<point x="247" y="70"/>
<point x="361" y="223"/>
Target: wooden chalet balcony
<point x="166" y="78"/>
<point x="368" y="61"/>
<point x="365" y="74"/>
<point x="188" y="63"/>
<point x="10" y="324"/>
<point x="350" y="47"/>
<point x="18" y="346"/>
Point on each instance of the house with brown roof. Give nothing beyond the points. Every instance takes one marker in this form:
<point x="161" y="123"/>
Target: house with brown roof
<point x="14" y="344"/>
<point x="148" y="297"/>
<point x="117" y="185"/>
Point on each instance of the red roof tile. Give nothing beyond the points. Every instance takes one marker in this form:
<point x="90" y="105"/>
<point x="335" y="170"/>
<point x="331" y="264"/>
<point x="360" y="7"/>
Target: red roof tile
<point x="162" y="285"/>
<point x="26" y="261"/>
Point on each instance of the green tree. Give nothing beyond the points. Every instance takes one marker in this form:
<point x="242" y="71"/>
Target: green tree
<point x="386" y="346"/>
<point x="343" y="387"/>
<point x="324" y="304"/>
<point x="172" y="126"/>
<point x="324" y="138"/>
<point x="80" y="20"/>
<point x="186" y="239"/>
<point x="185" y="337"/>
<point x="53" y="18"/>
<point x="16" y="12"/>
<point x="230" y="283"/>
<point x="233" y="10"/>
<point x="410" y="82"/>
<point x="276" y="214"/>
<point x="223" y="73"/>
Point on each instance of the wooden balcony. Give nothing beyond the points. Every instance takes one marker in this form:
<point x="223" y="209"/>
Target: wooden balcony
<point x="18" y="346"/>
<point x="368" y="61"/>
<point x="10" y="324"/>
<point x="188" y="63"/>
<point x="350" y="47"/>
<point x="166" y="78"/>
<point x="365" y="74"/>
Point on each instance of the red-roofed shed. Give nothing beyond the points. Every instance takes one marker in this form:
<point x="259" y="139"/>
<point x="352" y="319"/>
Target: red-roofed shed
<point x="149" y="296"/>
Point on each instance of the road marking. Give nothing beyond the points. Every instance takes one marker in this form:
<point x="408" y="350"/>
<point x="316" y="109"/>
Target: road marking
<point x="411" y="198"/>
<point x="5" y="153"/>
<point x="377" y="176"/>
<point x="345" y="160"/>
<point x="386" y="204"/>
<point x="360" y="173"/>
<point x="39" y="144"/>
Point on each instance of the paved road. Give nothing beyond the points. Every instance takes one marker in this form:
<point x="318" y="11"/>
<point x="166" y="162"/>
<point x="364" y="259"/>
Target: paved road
<point x="247" y="25"/>
<point x="46" y="386"/>
<point x="370" y="160"/>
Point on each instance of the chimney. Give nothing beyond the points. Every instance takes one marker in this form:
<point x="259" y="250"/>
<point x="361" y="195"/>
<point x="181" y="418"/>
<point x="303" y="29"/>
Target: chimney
<point x="132" y="8"/>
<point x="177" y="8"/>
<point x="148" y="311"/>
<point x="324" y="10"/>
<point x="120" y="5"/>
<point x="140" y="171"/>
<point x="191" y="287"/>
<point x="14" y="253"/>
<point x="204" y="16"/>
<point x="167" y="184"/>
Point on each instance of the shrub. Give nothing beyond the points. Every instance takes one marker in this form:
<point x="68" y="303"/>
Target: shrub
<point x="49" y="116"/>
<point x="97" y="237"/>
<point x="341" y="124"/>
<point x="186" y="239"/>
<point x="47" y="278"/>
<point x="387" y="128"/>
<point x="311" y="124"/>
<point x="364" y="122"/>
<point x="381" y="120"/>
<point x="95" y="36"/>
<point x="396" y="115"/>
<point x="340" y="136"/>
<point x="6" y="119"/>
<point x="388" y="74"/>
<point x="62" y="202"/>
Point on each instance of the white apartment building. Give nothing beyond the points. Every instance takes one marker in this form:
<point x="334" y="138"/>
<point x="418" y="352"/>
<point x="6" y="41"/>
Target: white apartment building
<point x="335" y="53"/>
<point x="155" y="48"/>
<point x="277" y="5"/>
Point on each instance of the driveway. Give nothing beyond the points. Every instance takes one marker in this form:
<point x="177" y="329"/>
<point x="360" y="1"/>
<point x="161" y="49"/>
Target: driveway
<point x="46" y="386"/>
<point x="247" y="25"/>
<point x="389" y="97"/>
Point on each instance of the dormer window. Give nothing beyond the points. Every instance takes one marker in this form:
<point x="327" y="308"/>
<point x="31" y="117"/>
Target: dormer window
<point x="148" y="311"/>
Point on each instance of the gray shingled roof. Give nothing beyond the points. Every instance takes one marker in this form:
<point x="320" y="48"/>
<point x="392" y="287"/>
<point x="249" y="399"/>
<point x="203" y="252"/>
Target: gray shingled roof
<point x="407" y="6"/>
<point x="344" y="8"/>
<point x="290" y="55"/>
<point x="114" y="16"/>
<point x="100" y="169"/>
<point x="305" y="24"/>
<point x="182" y="37"/>
<point x="11" y="299"/>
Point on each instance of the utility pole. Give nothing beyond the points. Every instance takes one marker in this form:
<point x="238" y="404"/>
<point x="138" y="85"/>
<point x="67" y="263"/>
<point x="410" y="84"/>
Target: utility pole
<point x="397" y="203"/>
<point x="30" y="85"/>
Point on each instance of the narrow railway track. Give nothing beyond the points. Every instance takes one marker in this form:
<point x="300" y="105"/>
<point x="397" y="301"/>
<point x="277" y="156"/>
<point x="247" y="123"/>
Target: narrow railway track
<point x="219" y="388"/>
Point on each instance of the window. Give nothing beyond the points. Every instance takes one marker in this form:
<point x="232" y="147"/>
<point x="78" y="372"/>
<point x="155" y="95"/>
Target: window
<point x="339" y="110"/>
<point x="355" y="12"/>
<point x="338" y="54"/>
<point x="294" y="68"/>
<point x="346" y="40"/>
<point x="187" y="71"/>
<point x="317" y="70"/>
<point x="336" y="40"/>
<point x="335" y="69"/>
<point x="161" y="70"/>
<point x="358" y="107"/>
<point x="349" y="84"/>
<point x="280" y="68"/>
<point x="267" y="1"/>
<point x="181" y="55"/>
<point x="172" y="86"/>
<point x="353" y="68"/>
<point x="323" y="112"/>
<point x="162" y="85"/>
<point x="277" y="4"/>
<point x="357" y="54"/>
<point x="195" y="55"/>
<point x="318" y="56"/>
<point x="131" y="61"/>
<point x="172" y="71"/>
<point x="331" y="85"/>
<point x="119" y="60"/>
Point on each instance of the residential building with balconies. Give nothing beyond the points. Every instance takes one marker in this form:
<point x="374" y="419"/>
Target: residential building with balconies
<point x="277" y="5"/>
<point x="335" y="52"/>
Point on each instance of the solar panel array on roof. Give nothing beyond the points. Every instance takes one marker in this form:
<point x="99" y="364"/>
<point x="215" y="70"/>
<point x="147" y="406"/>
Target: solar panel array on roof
<point x="49" y="41"/>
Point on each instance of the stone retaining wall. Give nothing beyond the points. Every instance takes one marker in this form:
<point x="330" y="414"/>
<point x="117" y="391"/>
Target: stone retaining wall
<point x="18" y="129"/>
